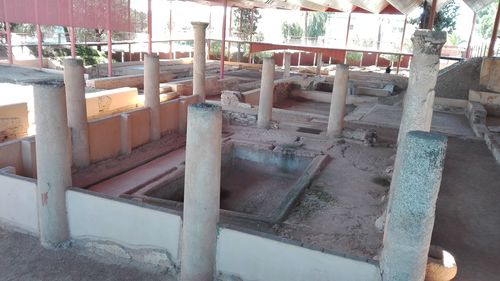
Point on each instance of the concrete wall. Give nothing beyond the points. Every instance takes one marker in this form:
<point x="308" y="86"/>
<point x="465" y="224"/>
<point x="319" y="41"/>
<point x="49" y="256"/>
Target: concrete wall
<point x="13" y="121"/>
<point x="455" y="80"/>
<point x="139" y="126"/>
<point x="490" y="74"/>
<point x="490" y="101"/>
<point x="169" y="116"/>
<point x="213" y="85"/>
<point x="91" y="216"/>
<point x="10" y="155"/>
<point x="18" y="203"/>
<point x="104" y="138"/>
<point x="112" y="101"/>
<point x="120" y="227"/>
<point x="282" y="89"/>
<point x="31" y="62"/>
<point x="262" y="259"/>
<point x="124" y="81"/>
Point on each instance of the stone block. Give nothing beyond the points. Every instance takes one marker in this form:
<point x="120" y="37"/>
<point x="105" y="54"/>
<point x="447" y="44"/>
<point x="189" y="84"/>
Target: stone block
<point x="490" y="101"/>
<point x="490" y="74"/>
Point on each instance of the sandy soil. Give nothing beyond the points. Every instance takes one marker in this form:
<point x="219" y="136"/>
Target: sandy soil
<point x="23" y="259"/>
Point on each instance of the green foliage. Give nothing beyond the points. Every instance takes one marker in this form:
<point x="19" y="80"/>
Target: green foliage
<point x="446" y="18"/>
<point x="90" y="56"/>
<point x="353" y="56"/>
<point x="316" y="26"/>
<point x="391" y="58"/>
<point x="291" y="30"/>
<point x="486" y="19"/>
<point x="245" y="21"/>
<point x="214" y="51"/>
<point x="454" y="39"/>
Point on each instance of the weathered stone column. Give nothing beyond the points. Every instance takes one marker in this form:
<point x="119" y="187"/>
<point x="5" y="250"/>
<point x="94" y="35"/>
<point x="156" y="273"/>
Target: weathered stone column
<point x="53" y="155"/>
<point x="152" y="93"/>
<point x="199" y="59"/>
<point x="201" y="192"/>
<point x="77" y="111"/>
<point x="286" y="64"/>
<point x="337" y="105"/>
<point x="266" y="94"/>
<point x="319" y="63"/>
<point x="424" y="68"/>
<point x="411" y="207"/>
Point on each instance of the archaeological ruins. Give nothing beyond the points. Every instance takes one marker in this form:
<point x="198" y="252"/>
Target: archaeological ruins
<point x="222" y="153"/>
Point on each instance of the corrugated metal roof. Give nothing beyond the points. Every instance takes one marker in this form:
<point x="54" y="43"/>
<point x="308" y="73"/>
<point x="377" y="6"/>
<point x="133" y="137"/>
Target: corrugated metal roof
<point x="372" y="6"/>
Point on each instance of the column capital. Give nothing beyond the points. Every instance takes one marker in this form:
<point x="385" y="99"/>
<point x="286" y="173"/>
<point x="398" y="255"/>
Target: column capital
<point x="199" y="24"/>
<point x="152" y="55"/>
<point x="428" y="42"/>
<point x="268" y="59"/>
<point x="73" y="62"/>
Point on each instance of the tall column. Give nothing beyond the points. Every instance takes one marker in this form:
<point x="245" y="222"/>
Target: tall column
<point x="53" y="154"/>
<point x="424" y="68"/>
<point x="337" y="105"/>
<point x="152" y="93"/>
<point x="266" y="94"/>
<point x="77" y="111"/>
<point x="201" y="192"/>
<point x="412" y="204"/>
<point x="319" y="63"/>
<point x="199" y="59"/>
<point x="286" y="64"/>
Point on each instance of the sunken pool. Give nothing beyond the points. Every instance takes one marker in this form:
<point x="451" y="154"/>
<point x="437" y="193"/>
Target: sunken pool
<point x="258" y="181"/>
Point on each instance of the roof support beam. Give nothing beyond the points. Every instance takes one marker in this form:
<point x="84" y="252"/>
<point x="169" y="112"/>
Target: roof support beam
<point x="433" y="15"/>
<point x="110" y="46"/>
<point x="493" y="40"/>
<point x="468" y="52"/>
<point x="150" y="28"/>
<point x="223" y="42"/>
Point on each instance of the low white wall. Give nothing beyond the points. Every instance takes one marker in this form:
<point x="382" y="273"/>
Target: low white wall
<point x="95" y="217"/>
<point x="111" y="101"/>
<point x="18" y="202"/>
<point x="257" y="258"/>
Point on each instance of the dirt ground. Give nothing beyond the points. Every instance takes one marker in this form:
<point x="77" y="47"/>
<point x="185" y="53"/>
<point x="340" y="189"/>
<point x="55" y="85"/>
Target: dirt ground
<point x="467" y="216"/>
<point x="24" y="259"/>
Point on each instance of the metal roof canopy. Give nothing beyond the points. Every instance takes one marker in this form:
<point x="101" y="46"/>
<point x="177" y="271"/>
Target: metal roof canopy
<point x="355" y="6"/>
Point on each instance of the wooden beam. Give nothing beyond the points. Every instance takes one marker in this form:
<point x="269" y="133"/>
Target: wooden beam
<point x="432" y="15"/>
<point x="493" y="40"/>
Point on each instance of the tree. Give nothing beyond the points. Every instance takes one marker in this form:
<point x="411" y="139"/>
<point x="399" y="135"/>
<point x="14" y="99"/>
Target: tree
<point x="291" y="30"/>
<point x="486" y="19"/>
<point x="445" y="19"/>
<point x="317" y="25"/>
<point x="246" y="21"/>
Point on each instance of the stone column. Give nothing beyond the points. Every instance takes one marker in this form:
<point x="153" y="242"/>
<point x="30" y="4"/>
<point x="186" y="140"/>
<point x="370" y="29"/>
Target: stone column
<point x="199" y="59"/>
<point x="266" y="94"/>
<point x="337" y="105"/>
<point x="424" y="68"/>
<point x="319" y="63"/>
<point x="152" y="93"/>
<point x="77" y="111"/>
<point x="201" y="192"/>
<point x="53" y="154"/>
<point x="286" y="64"/>
<point x="412" y="204"/>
